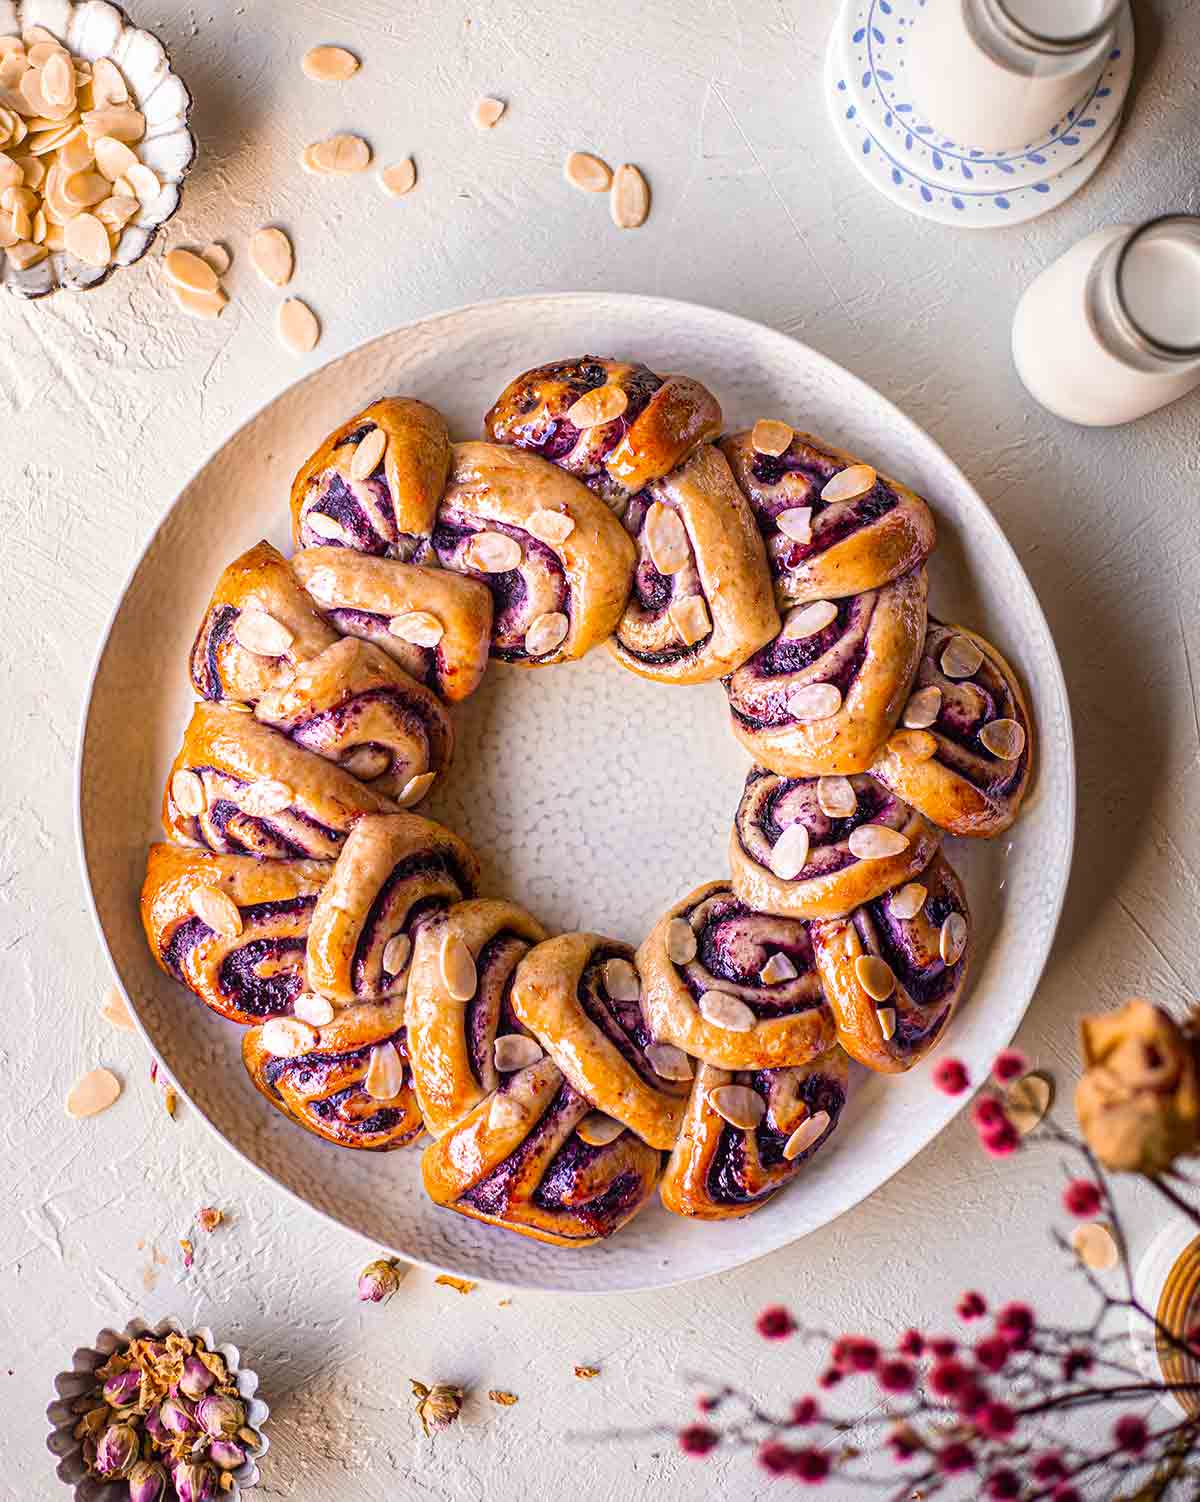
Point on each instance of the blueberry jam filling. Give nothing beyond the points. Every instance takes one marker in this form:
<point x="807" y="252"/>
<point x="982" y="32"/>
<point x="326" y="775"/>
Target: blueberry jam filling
<point x="730" y="1180"/>
<point x="495" y="966"/>
<point x="871" y="800"/>
<point x="621" y="1022"/>
<point x="829" y="530"/>
<point x="759" y="704"/>
<point x="491" y="1195"/>
<point x="183" y="940"/>
<point x="419" y="863"/>
<point x="926" y="980"/>
<point x="223" y="811"/>
<point x="261" y="995"/>
<point x="206" y="661"/>
<point x="735" y="943"/>
<point x="341" y="504"/>
<point x="328" y="1109"/>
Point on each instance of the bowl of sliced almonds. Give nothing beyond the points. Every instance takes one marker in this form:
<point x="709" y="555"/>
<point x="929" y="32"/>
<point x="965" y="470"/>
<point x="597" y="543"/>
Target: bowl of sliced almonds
<point x="94" y="143"/>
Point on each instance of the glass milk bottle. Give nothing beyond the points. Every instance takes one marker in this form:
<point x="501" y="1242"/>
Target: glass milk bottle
<point x="997" y="74"/>
<point x="1167" y="1284"/>
<point x="1111" y="330"/>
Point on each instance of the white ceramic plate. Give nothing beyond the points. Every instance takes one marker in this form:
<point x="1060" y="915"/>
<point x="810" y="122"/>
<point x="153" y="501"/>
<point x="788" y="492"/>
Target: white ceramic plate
<point x="593" y="797"/>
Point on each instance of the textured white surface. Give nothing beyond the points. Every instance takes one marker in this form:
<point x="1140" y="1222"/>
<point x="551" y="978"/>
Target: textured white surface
<point x="108" y="401"/>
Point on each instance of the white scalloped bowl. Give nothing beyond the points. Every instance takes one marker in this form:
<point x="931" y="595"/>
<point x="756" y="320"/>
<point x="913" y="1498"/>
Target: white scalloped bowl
<point x="93" y="29"/>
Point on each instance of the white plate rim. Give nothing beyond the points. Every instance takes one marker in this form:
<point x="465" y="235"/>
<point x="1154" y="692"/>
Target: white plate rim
<point x="951" y="1106"/>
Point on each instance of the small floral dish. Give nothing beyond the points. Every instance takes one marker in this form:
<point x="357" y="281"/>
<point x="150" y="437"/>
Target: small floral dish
<point x="94" y="143"/>
<point x="157" y="1413"/>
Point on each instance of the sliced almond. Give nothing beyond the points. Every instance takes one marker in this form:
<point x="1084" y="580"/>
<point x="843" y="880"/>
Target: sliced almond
<point x="368" y="454"/>
<point x="1004" y="738"/>
<point x="876" y="842"/>
<point x="815" y="701"/>
<point x="771" y="437"/>
<point x="458" y="968"/>
<point x="629" y="199"/>
<point x="26" y="253"/>
<point x="217" y="256"/>
<point x="923" y="708"/>
<point x="953" y="938"/>
<point x="261" y="633"/>
<point x="586" y="172"/>
<point x="338" y="156"/>
<point x="506" y="1114"/>
<point x="396" y="954"/>
<point x="313" y="1009"/>
<point x="415" y="789"/>
<point x="1095" y="1246"/>
<point x="83" y="190"/>
<point x="836" y="797"/>
<point x="886" y="1017"/>
<point x="264" y="798"/>
<point x="487" y="112"/>
<point x="908" y="901"/>
<point x="595" y="407"/>
<point x="329" y="64"/>
<point x="328" y="527"/>
<point x="691" y="619"/>
<point x="117" y="211"/>
<point x="796" y="523"/>
<point x="199" y="304"/>
<point x="272" y="257"/>
<point x="95" y="1092"/>
<point x="87" y="240"/>
<point x="421" y="627"/>
<point x="666" y="539"/>
<point x="848" y="484"/>
<point x="11" y="176"/>
<point x="789" y="854"/>
<point x="740" y="1106"/>
<point x="119" y="120"/>
<point x="187" y="791"/>
<point x="668" y="1062"/>
<point x="513" y="1051"/>
<point x="875" y="976"/>
<point x="76" y="153"/>
<point x="186" y="269"/>
<point x="961" y="657"/>
<point x="113" y="158"/>
<point x="144" y="182"/>
<point x="598" y="1130"/>
<point x="806" y="620"/>
<point x="398" y="179"/>
<point x="58" y="80"/>
<point x="1027" y="1100"/>
<point x="115" y="1011"/>
<point x="298" y="326"/>
<point x="367" y="762"/>
<point x="725" y="1011"/>
<point x="492" y="552"/>
<point x="681" y="942"/>
<point x="806" y="1135"/>
<point x="779" y="967"/>
<point x="546" y="632"/>
<point x="912" y="745"/>
<point x="550" y="526"/>
<point x="621" y="980"/>
<point x="217" y="909"/>
<point x="385" y="1073"/>
<point x="108" y="84"/>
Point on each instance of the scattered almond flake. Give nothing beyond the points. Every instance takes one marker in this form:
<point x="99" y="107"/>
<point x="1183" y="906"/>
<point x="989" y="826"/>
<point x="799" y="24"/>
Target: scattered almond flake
<point x="218" y="910"/>
<point x="621" y="980"/>
<point x="288" y="1037"/>
<point x="725" y="1011"/>
<point x="961" y="657"/>
<point x="108" y="84"/>
<point x="836" y="797"/>
<point x="806" y="620"/>
<point x="217" y="256"/>
<point x="189" y="1251"/>
<point x="795" y="523"/>
<point x="806" y="1135"/>
<point x="367" y="762"/>
<point x="740" y="1106"/>
<point x="170" y="1101"/>
<point x="588" y="173"/>
<point x="908" y="901"/>
<point x="113" y="158"/>
<point x="329" y="64"/>
<point x="667" y="539"/>
<point x="420" y="627"/>
<point x="691" y="619"/>
<point x="298" y="326"/>
<point x="953" y="938"/>
<point x="368" y="454"/>
<point x="505" y="1399"/>
<point x="1004" y="738"/>
<point x="385" y="1073"/>
<point x="876" y="842"/>
<point x="789" y="855"/>
<point x="415" y="789"/>
<point x="550" y="526"/>
<point x="912" y="745"/>
<point x="314" y="1009"/>
<point x="200" y="304"/>
<point x="771" y="437"/>
<point x="596" y="407"/>
<point x="505" y="1113"/>
<point x="324" y="526"/>
<point x="586" y="1373"/>
<point x="396" y="954"/>
<point x="492" y="552"/>
<point x="93" y="1093"/>
<point x="1095" y="1246"/>
<point x="339" y="156"/>
<point x="886" y="1017"/>
<point x="681" y="942"/>
<point x="668" y="1062"/>
<point x="487" y="112"/>
<point x="272" y="257"/>
<point x="848" y="484"/>
<point x="458" y="968"/>
<point x="460" y="1285"/>
<point x="815" y="701"/>
<point x="923" y="708"/>
<point x="598" y="1130"/>
<point x="629" y="200"/>
<point x="185" y="269"/>
<point x="115" y="1011"/>
<point x="513" y="1051"/>
<point x="264" y="798"/>
<point x="875" y="976"/>
<point x="503" y="1303"/>
<point x="546" y="633"/>
<point x="1028" y="1099"/>
<point x="398" y="179"/>
<point x="87" y="240"/>
<point x="261" y="633"/>
<point x="779" y="967"/>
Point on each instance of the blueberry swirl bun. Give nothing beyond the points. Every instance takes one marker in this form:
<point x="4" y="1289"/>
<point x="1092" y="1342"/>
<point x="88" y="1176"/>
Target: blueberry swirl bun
<point x="239" y="787"/>
<point x="965" y="754"/>
<point x="615" y="426"/>
<point x="702" y="600"/>
<point x="356" y="707"/>
<point x="894" y="970"/>
<point x="394" y="873"/>
<point x="231" y="928"/>
<point x="374" y="484"/>
<point x="435" y="624"/>
<point x="348" y="1079"/>
<point x="259" y="626"/>
<point x="822" y="698"/>
<point x="581" y="997"/>
<point x="817" y="847"/>
<point x="733" y="987"/>
<point x="833" y="526"/>
<point x="557" y="561"/>
<point x="748" y="1133"/>
<point x="522" y="1159"/>
<point x="460" y="1003"/>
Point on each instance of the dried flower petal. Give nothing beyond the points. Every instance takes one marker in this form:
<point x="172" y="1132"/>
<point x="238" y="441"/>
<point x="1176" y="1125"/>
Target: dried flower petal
<point x="460" y="1285"/>
<point x="505" y="1399"/>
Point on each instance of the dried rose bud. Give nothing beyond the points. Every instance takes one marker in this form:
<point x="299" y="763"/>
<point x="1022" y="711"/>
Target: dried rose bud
<point x="226" y="1455"/>
<point x="117" y="1450"/>
<point x="220" y="1415"/>
<point x="378" y="1281"/>
<point x="155" y="1427"/>
<point x="1138" y="1102"/>
<point x="437" y="1406"/>
<point x="195" y="1482"/>
<point x="196" y="1378"/>
<point x="177" y="1417"/>
<point x="122" y="1390"/>
<point x="147" y="1482"/>
<point x="209" y="1218"/>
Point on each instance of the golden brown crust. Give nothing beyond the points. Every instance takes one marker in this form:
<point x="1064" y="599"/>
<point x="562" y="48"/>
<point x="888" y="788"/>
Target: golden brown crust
<point x="391" y="512"/>
<point x="856" y="545"/>
<point x="262" y="580"/>
<point x="605" y="1059"/>
<point x="231" y="753"/>
<point x="680" y="415"/>
<point x="275" y="900"/>
<point x="361" y="595"/>
<point x="833" y="881"/>
<point x="357" y="708"/>
<point x="927" y="989"/>
<point x="450" y="1040"/>
<point x="727" y="571"/>
<point x="586" y="577"/>
<point x="792" y="1023"/>
<point x="394" y="872"/>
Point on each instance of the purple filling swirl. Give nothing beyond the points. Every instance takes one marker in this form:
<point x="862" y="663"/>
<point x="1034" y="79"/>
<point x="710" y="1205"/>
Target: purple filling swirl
<point x="263" y="973"/>
<point x="489" y="1013"/>
<point x="735" y="944"/>
<point x="770" y="804"/>
<point x="538" y="584"/>
<point x="738" y="1175"/>
<point x="758" y="691"/>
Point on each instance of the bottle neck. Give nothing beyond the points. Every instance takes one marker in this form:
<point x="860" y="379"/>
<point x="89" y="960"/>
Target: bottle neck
<point x="1118" y="332"/>
<point x="996" y="29"/>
